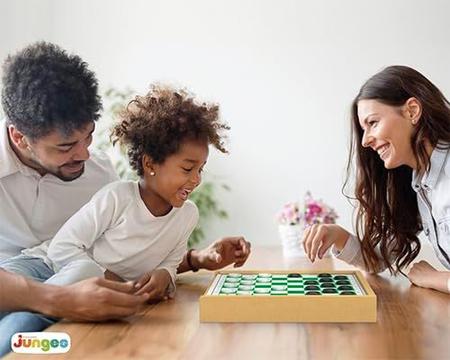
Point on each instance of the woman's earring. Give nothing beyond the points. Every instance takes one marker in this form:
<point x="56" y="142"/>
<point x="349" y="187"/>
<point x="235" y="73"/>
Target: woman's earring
<point x="152" y="173"/>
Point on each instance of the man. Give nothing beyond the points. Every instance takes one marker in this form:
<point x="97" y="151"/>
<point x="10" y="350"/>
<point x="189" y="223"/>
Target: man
<point x="51" y="103"/>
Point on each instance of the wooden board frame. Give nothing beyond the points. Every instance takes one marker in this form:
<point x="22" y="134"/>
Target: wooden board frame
<point x="311" y="308"/>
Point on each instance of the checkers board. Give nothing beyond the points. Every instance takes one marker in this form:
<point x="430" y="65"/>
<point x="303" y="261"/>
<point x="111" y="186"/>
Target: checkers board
<point x="288" y="296"/>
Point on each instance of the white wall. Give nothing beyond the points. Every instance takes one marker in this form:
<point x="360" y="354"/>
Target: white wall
<point x="284" y="73"/>
<point x="22" y="22"/>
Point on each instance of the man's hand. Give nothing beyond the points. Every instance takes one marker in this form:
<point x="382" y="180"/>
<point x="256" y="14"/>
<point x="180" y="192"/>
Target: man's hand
<point x="95" y="299"/>
<point x="221" y="253"/>
<point x="155" y="284"/>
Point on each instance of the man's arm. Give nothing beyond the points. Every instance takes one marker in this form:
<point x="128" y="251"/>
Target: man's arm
<point x="223" y="252"/>
<point x="94" y="299"/>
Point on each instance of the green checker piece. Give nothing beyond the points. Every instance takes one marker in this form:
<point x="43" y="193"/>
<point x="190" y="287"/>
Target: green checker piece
<point x="345" y="288"/>
<point x="263" y="280"/>
<point x="347" y="293"/>
<point x="228" y="291"/>
<point x="342" y="282"/>
<point x="279" y="287"/>
<point x="247" y="282"/>
<point x="230" y="285"/>
<point x="263" y="275"/>
<point x="249" y="277"/>
<point x="278" y="293"/>
<point x="242" y="292"/>
<point x="340" y="277"/>
<point x="245" y="287"/>
<point x="262" y="291"/>
<point x="234" y="275"/>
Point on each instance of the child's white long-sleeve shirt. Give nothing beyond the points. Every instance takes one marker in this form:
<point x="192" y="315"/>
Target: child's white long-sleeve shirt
<point x="118" y="231"/>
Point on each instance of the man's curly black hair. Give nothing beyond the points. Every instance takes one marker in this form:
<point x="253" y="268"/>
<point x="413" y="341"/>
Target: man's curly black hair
<point x="46" y="89"/>
<point x="157" y="124"/>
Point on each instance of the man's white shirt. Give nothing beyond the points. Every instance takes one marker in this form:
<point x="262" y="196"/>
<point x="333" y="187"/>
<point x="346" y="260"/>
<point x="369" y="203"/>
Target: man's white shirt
<point x="34" y="207"/>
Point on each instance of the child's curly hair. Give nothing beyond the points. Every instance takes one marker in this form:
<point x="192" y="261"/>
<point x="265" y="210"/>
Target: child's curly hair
<point x="156" y="124"/>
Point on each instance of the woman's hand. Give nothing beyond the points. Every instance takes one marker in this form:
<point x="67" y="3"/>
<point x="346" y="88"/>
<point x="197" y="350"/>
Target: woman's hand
<point x="318" y="238"/>
<point x="424" y="275"/>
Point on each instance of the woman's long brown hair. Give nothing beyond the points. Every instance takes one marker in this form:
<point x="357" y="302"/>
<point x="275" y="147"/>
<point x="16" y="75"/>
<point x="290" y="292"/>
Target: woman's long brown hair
<point x="386" y="205"/>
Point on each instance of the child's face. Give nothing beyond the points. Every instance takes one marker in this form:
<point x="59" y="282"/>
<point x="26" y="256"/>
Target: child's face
<point x="388" y="131"/>
<point x="180" y="173"/>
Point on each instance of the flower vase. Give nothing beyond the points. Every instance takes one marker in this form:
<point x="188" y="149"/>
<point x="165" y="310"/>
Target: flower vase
<point x="291" y="236"/>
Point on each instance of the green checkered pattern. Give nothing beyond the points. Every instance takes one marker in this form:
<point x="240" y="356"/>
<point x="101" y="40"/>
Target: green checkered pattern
<point x="283" y="284"/>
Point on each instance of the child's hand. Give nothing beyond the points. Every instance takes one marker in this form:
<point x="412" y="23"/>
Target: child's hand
<point x="155" y="283"/>
<point x="422" y="274"/>
<point x="223" y="252"/>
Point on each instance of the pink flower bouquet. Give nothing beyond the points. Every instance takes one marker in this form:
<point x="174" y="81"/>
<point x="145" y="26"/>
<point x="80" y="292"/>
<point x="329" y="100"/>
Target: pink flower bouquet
<point x="294" y="218"/>
<point x="310" y="212"/>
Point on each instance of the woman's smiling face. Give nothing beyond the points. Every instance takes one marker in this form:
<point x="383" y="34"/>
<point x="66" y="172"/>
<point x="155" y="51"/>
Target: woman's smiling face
<point x="388" y="130"/>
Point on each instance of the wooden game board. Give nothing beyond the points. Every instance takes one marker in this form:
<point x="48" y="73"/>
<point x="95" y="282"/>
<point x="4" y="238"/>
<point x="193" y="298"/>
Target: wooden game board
<point x="288" y="296"/>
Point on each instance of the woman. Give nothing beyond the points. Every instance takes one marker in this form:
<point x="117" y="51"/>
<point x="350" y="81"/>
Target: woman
<point x="401" y="142"/>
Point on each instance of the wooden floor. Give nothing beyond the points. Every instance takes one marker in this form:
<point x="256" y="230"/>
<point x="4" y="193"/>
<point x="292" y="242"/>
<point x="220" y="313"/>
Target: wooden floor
<point x="413" y="323"/>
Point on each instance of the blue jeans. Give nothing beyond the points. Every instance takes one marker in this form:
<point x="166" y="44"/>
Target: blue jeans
<point x="11" y="323"/>
<point x="36" y="269"/>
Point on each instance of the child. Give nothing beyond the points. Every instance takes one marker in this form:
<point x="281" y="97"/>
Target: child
<point x="401" y="137"/>
<point x="138" y="231"/>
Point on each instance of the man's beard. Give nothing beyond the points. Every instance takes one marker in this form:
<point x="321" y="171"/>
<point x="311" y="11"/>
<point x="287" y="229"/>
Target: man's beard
<point x="57" y="171"/>
<point x="71" y="177"/>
